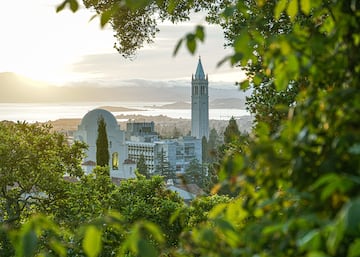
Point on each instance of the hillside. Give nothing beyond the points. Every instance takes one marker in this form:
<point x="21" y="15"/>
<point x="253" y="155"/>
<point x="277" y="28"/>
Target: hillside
<point x="17" y="89"/>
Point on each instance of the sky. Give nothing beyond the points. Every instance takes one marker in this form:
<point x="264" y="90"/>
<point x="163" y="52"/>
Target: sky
<point x="67" y="48"/>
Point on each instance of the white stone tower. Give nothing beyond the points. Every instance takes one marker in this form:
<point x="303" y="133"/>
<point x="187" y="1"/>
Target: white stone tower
<point x="199" y="103"/>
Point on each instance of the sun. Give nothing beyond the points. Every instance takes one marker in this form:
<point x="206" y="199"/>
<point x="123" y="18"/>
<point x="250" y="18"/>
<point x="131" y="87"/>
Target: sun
<point x="44" y="45"/>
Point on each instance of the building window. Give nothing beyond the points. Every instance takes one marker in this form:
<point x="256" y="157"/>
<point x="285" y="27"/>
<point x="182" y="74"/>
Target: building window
<point x="115" y="161"/>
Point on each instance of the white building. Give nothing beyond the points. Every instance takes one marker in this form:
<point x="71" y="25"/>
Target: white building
<point x="119" y="165"/>
<point x="178" y="152"/>
<point x="188" y="148"/>
<point x="199" y="103"/>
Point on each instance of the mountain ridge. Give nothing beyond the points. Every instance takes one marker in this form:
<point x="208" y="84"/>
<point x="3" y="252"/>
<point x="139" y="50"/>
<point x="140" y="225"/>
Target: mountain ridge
<point x="18" y="89"/>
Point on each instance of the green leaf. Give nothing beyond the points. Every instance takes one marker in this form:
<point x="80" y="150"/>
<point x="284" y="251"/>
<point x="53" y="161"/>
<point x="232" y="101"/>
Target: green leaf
<point x="224" y="225"/>
<point x="316" y="254"/>
<point x="137" y="4"/>
<point x="160" y="2"/>
<point x="58" y="247"/>
<point x="279" y="8"/>
<point x="155" y="231"/>
<point x="145" y="249"/>
<point x="354" y="249"/>
<point x="221" y="62"/>
<point x="105" y="17"/>
<point x="292" y="9"/>
<point x="29" y="243"/>
<point x="207" y="235"/>
<point x="244" y="85"/>
<point x="305" y="6"/>
<point x="310" y="241"/>
<point x="273" y="229"/>
<point x="199" y="33"/>
<point x="241" y="43"/>
<point x="336" y="235"/>
<point x="355" y="149"/>
<point x="351" y="219"/>
<point x="217" y="210"/>
<point x="228" y="12"/>
<point x="61" y="7"/>
<point x="74" y="5"/>
<point x="92" y="241"/>
<point x="172" y="6"/>
<point x="191" y="43"/>
<point x="177" y="47"/>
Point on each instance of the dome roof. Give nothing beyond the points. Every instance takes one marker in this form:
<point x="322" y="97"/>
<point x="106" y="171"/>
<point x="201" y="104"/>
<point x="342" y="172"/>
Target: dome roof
<point x="92" y="117"/>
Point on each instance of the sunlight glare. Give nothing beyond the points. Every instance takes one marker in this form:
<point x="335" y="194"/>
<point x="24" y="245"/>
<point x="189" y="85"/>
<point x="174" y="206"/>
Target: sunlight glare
<point x="43" y="44"/>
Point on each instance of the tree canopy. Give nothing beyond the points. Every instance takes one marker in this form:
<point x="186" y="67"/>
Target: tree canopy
<point x="33" y="162"/>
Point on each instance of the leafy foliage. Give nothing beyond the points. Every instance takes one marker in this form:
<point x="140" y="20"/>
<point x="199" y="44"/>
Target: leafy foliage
<point x="148" y="199"/>
<point x="271" y="106"/>
<point x="135" y="22"/>
<point x="33" y="161"/>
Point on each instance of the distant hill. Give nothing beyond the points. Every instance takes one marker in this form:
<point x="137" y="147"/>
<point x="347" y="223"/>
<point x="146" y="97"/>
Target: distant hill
<point x="176" y="105"/>
<point x="14" y="88"/>
<point x="228" y="103"/>
<point x="222" y="103"/>
<point x="118" y="109"/>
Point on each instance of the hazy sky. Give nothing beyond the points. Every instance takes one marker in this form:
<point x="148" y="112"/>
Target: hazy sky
<point x="65" y="47"/>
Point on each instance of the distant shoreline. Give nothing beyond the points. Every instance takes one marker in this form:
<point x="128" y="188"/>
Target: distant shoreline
<point x="119" y="109"/>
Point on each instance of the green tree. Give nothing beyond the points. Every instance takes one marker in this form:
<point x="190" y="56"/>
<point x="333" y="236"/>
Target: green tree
<point x="200" y="208"/>
<point x="149" y="199"/>
<point x="33" y="163"/>
<point x="204" y="149"/>
<point x="163" y="166"/>
<point x="102" y="144"/>
<point x="231" y="133"/>
<point x="84" y="200"/>
<point x="213" y="144"/>
<point x="142" y="167"/>
<point x="196" y="173"/>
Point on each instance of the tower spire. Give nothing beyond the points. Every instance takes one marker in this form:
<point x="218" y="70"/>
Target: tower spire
<point x="199" y="74"/>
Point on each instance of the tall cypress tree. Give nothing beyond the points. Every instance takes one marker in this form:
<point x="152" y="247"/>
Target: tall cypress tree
<point x="102" y="144"/>
<point x="205" y="151"/>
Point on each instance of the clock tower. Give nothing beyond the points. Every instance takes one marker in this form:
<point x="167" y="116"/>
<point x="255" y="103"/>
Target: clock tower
<point x="199" y="103"/>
